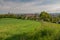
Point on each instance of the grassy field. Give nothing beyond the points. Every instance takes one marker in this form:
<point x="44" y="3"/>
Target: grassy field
<point x="17" y="29"/>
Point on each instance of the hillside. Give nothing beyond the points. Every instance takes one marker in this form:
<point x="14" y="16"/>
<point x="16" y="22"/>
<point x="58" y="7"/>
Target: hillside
<point x="17" y="29"/>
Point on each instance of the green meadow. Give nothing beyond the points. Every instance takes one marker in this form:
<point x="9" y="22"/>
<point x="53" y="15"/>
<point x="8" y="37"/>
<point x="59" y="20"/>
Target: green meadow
<point x="18" y="29"/>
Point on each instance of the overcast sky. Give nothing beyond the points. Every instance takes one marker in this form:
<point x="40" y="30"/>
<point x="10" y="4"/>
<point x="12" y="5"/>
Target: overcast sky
<point x="29" y="6"/>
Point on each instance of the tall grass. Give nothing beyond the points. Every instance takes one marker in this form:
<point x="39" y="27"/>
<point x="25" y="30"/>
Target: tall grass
<point x="14" y="29"/>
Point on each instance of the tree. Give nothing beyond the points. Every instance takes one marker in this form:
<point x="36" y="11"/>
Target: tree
<point x="45" y="16"/>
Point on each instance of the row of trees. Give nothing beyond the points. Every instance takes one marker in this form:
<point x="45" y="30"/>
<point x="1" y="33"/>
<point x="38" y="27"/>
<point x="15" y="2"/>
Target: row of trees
<point x="18" y="16"/>
<point x="42" y="16"/>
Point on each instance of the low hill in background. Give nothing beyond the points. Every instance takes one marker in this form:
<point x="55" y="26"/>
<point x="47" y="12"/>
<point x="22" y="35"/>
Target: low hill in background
<point x="55" y="14"/>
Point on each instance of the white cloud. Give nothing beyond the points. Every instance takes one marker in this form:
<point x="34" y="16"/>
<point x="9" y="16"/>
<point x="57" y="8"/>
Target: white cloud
<point x="28" y="7"/>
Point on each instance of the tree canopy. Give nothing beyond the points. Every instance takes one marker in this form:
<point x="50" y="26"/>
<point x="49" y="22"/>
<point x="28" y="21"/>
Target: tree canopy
<point x="45" y="16"/>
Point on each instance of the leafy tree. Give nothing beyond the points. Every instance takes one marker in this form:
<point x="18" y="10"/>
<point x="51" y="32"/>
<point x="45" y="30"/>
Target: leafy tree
<point x="45" y="16"/>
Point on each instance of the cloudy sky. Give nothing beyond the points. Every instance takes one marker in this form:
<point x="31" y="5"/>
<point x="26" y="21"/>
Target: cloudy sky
<point x="29" y="6"/>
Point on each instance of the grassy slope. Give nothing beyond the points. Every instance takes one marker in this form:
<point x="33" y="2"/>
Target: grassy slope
<point x="17" y="29"/>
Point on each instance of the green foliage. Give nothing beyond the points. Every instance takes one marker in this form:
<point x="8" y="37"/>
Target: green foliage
<point x="14" y="29"/>
<point x="55" y="19"/>
<point x="45" y="16"/>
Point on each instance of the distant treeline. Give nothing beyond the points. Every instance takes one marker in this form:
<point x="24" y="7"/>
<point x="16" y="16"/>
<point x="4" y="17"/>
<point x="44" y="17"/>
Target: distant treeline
<point x="20" y="16"/>
<point x="43" y="16"/>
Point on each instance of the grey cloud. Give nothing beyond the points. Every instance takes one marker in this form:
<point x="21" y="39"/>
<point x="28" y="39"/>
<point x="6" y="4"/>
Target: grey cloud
<point x="31" y="6"/>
